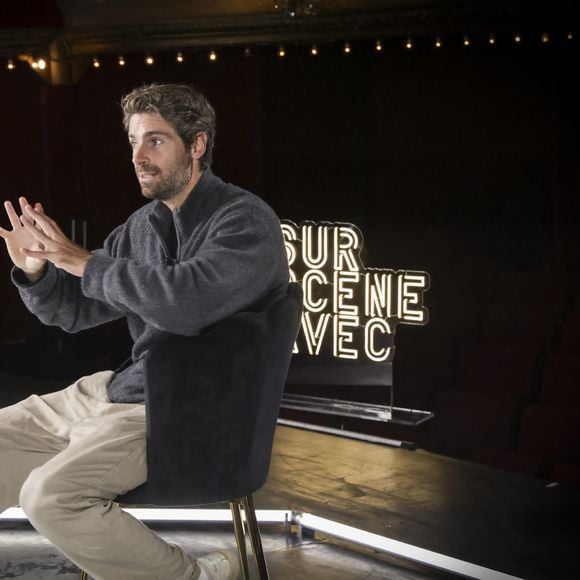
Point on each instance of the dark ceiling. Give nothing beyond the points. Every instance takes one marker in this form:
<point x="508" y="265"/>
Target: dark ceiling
<point x="76" y="29"/>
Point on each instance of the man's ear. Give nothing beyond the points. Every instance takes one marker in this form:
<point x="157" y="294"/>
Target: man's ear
<point x="199" y="145"/>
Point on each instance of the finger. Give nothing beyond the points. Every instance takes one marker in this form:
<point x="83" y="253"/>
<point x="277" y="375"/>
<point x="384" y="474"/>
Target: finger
<point x="12" y="215"/>
<point x="46" y="224"/>
<point x="23" y="202"/>
<point x="42" y="221"/>
<point x="34" y="230"/>
<point x="4" y="233"/>
<point x="38" y="254"/>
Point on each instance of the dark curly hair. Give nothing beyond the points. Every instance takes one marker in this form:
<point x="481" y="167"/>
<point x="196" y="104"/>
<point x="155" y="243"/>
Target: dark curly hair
<point x="186" y="109"/>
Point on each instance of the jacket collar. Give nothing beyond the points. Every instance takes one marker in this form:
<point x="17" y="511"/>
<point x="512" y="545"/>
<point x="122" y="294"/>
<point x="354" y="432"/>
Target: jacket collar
<point x="201" y="202"/>
<point x="199" y="205"/>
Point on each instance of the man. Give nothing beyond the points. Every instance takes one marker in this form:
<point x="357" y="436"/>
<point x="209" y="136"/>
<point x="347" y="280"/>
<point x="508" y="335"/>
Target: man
<point x="201" y="251"/>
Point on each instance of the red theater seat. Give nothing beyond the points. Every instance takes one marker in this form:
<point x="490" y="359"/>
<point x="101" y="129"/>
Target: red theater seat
<point x="507" y="460"/>
<point x="465" y="422"/>
<point x="533" y="289"/>
<point x="551" y="433"/>
<point x="561" y="380"/>
<point x="566" y="473"/>
<point x="492" y="385"/>
<point x="490" y="370"/>
<point x="570" y="341"/>
<point x="548" y="445"/>
<point x="576" y="292"/>
<point x="519" y="325"/>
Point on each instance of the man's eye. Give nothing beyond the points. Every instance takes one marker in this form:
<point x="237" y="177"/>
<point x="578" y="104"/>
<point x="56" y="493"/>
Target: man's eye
<point x="156" y="141"/>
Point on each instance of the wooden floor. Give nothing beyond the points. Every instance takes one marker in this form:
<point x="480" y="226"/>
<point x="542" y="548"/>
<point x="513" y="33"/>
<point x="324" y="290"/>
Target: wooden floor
<point x="502" y="521"/>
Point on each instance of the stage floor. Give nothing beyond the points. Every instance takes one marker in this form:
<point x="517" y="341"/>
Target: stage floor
<point x="500" y="521"/>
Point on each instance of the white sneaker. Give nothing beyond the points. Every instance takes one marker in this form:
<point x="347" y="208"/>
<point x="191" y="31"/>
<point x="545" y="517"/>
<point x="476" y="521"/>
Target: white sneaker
<point x="219" y="566"/>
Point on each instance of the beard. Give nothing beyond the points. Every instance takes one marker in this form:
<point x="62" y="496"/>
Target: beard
<point x="169" y="184"/>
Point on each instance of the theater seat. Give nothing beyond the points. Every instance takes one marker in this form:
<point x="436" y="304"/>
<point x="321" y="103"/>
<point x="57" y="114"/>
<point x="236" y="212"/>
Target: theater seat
<point x="483" y="411"/>
<point x="491" y="370"/>
<point x="550" y="433"/>
<point x="519" y="325"/>
<point x="507" y="460"/>
<point x="465" y="422"/>
<point x="548" y="445"/>
<point x="566" y="474"/>
<point x="561" y="380"/>
<point x="533" y="289"/>
<point x="570" y="341"/>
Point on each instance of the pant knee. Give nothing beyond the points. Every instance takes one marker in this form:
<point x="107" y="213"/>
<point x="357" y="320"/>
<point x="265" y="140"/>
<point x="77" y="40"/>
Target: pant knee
<point x="40" y="500"/>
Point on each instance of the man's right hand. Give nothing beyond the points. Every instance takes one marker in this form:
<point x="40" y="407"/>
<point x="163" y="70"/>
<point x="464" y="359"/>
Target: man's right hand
<point x="19" y="238"/>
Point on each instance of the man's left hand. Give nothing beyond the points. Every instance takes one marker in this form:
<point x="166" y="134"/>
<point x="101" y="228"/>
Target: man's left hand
<point x="58" y="249"/>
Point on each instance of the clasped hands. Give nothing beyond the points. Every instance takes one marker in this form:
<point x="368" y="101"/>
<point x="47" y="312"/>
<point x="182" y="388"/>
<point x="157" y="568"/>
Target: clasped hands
<point x="35" y="239"/>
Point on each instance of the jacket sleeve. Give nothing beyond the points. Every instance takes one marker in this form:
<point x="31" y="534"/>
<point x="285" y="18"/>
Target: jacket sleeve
<point x="57" y="300"/>
<point x="241" y="259"/>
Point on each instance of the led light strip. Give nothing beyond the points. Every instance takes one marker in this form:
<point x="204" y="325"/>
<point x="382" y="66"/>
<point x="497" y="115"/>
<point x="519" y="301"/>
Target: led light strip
<point x="179" y="515"/>
<point x="315" y="523"/>
<point x="406" y="551"/>
<point x="205" y="515"/>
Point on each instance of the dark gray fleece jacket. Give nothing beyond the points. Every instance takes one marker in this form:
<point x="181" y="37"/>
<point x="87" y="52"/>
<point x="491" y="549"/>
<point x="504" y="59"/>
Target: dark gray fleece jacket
<point x="229" y="255"/>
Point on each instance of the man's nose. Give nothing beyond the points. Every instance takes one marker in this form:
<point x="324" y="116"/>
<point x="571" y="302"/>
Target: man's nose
<point x="139" y="155"/>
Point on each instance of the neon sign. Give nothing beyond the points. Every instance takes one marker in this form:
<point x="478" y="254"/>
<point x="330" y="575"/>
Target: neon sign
<point x="350" y="311"/>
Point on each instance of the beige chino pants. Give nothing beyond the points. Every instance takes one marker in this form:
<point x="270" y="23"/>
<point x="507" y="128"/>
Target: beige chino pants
<point x="64" y="457"/>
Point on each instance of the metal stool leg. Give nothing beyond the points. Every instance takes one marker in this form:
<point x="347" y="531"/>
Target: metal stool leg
<point x="240" y="537"/>
<point x="255" y="538"/>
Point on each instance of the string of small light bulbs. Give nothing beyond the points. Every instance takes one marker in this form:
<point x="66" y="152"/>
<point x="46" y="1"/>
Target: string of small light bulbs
<point x="40" y="63"/>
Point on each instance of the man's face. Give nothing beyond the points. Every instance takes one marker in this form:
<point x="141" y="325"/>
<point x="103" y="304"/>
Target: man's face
<point x="163" y="165"/>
